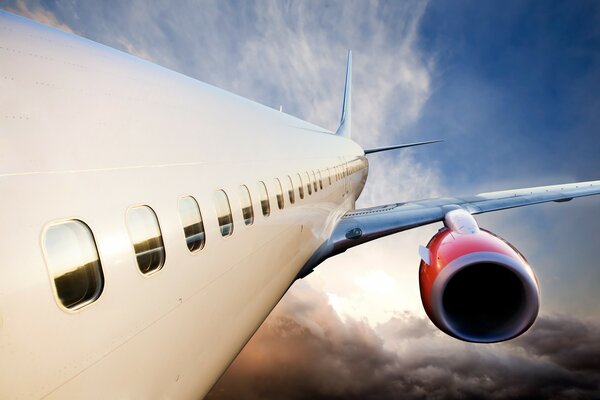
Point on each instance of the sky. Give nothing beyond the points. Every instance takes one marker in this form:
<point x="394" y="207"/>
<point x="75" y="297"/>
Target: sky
<point x="511" y="86"/>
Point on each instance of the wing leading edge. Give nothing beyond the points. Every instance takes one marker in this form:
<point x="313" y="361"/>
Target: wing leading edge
<point x="363" y="225"/>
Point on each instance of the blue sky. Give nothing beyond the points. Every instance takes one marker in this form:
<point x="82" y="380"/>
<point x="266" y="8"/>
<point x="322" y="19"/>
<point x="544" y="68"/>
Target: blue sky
<point x="520" y="81"/>
<point x="511" y="86"/>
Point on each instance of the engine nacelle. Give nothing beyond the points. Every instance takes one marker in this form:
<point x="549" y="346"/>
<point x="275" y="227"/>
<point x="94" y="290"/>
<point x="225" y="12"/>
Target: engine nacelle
<point x="474" y="285"/>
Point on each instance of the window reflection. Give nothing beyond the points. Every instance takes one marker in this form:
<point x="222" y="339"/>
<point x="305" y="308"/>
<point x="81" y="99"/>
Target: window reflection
<point x="279" y="193"/>
<point x="223" y="213"/>
<point x="73" y="262"/>
<point x="247" y="209"/>
<point x="291" y="193"/>
<point x="147" y="238"/>
<point x="264" y="199"/>
<point x="191" y="220"/>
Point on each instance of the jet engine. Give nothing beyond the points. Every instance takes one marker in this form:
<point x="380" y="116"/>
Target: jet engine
<point x="475" y="286"/>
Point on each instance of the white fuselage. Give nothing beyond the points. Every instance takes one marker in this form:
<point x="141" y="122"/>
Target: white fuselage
<point x="86" y="133"/>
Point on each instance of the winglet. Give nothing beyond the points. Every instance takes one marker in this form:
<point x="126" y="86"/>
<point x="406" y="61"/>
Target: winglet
<point x="346" y="120"/>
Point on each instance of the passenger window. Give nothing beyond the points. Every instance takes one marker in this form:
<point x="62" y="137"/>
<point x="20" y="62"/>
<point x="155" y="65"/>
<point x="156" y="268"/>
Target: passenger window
<point x="279" y="193"/>
<point x="291" y="190"/>
<point x="308" y="186"/>
<point x="223" y="213"/>
<point x="147" y="238"/>
<point x="329" y="176"/>
<point x="191" y="220"/>
<point x="247" y="209"/>
<point x="73" y="262"/>
<point x="314" y="180"/>
<point x="320" y="180"/>
<point x="301" y="187"/>
<point x="264" y="199"/>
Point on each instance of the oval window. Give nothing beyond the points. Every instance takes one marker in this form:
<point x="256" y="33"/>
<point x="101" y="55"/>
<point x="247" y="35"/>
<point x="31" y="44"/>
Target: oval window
<point x="291" y="190"/>
<point x="300" y="187"/>
<point x="246" y="202"/>
<point x="73" y="263"/>
<point x="264" y="199"/>
<point x="191" y="220"/>
<point x="223" y="213"/>
<point x="147" y="239"/>
<point x="279" y="193"/>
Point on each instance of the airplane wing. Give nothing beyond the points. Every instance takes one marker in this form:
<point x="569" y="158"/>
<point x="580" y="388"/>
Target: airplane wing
<point x="363" y="225"/>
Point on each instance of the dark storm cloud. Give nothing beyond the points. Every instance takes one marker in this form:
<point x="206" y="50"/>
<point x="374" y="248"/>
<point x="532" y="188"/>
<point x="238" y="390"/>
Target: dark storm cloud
<point x="569" y="342"/>
<point x="304" y="350"/>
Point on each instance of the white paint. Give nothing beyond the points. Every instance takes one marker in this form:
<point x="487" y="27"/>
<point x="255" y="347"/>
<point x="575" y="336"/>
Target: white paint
<point x="88" y="132"/>
<point x="460" y="221"/>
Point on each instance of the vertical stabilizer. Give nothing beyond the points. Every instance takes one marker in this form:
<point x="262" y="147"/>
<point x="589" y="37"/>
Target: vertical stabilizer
<point x="346" y="120"/>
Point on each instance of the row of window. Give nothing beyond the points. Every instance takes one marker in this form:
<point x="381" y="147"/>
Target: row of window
<point x="72" y="256"/>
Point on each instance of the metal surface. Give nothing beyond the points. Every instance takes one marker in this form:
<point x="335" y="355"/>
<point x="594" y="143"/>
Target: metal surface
<point x="399" y="146"/>
<point x="380" y="221"/>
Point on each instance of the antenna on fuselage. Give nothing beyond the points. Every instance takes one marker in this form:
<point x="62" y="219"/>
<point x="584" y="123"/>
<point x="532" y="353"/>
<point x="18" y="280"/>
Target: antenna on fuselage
<point x="346" y="120"/>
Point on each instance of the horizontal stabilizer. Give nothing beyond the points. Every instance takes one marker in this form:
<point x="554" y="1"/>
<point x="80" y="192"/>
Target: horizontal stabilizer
<point x="399" y="146"/>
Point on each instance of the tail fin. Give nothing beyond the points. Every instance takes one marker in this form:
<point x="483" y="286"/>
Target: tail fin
<point x="346" y="120"/>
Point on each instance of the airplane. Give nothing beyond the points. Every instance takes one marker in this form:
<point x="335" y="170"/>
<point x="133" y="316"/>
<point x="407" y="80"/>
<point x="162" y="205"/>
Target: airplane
<point x="151" y="222"/>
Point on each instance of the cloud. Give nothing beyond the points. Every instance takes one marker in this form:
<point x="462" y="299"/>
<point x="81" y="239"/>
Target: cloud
<point x="566" y="341"/>
<point x="304" y="350"/>
<point x="38" y="13"/>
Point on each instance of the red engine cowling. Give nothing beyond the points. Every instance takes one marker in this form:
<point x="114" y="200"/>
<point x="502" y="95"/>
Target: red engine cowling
<point x="474" y="285"/>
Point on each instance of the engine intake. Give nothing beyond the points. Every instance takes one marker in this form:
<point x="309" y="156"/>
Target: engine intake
<point x="474" y="285"/>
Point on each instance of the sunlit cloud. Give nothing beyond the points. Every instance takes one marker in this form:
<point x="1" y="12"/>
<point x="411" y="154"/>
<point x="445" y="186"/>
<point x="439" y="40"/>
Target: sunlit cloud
<point x="305" y="350"/>
<point x="37" y="13"/>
